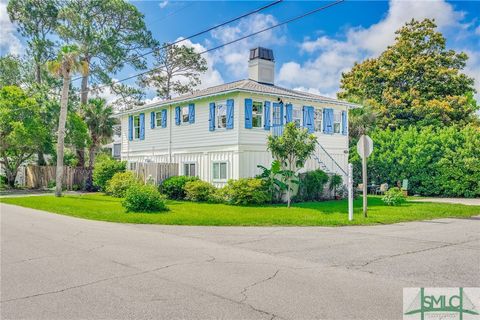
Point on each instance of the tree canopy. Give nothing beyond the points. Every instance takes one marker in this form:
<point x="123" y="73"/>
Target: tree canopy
<point x="416" y="81"/>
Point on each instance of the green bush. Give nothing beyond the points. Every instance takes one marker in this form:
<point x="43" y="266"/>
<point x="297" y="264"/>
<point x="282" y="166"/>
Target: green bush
<point x="436" y="161"/>
<point x="394" y="197"/>
<point x="104" y="169"/>
<point x="246" y="191"/>
<point x="311" y="185"/>
<point x="120" y="182"/>
<point x="199" y="190"/>
<point x="173" y="187"/>
<point x="143" y="198"/>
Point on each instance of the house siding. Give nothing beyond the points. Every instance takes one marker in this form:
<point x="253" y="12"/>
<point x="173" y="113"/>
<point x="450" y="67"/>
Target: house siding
<point x="243" y="149"/>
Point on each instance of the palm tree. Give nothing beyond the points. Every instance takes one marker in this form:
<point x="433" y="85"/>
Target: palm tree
<point x="66" y="64"/>
<point x="99" y="119"/>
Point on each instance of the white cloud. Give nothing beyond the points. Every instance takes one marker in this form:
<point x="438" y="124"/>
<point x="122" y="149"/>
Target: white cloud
<point x="163" y="4"/>
<point x="9" y="42"/>
<point x="235" y="56"/>
<point x="332" y="56"/>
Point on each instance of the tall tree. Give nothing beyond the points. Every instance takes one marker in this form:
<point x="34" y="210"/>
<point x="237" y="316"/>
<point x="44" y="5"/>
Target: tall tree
<point x="291" y="149"/>
<point x="66" y="64"/>
<point x="109" y="34"/>
<point x="176" y="70"/>
<point x="36" y="20"/>
<point x="99" y="119"/>
<point x="416" y="81"/>
<point x="21" y="130"/>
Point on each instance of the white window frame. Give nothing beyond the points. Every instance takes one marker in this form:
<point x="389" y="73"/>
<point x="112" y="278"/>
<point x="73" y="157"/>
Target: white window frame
<point x="135" y="127"/>
<point x="219" y="163"/>
<point x="297" y="119"/>
<point x="218" y="117"/>
<point x="318" y="124"/>
<point x="189" y="164"/>
<point x="184" y="115"/>
<point x="258" y="114"/>
<point x="337" y="120"/>
<point x="158" y="116"/>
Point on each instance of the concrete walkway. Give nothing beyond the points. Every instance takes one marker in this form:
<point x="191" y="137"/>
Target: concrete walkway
<point x="465" y="201"/>
<point x="59" y="267"/>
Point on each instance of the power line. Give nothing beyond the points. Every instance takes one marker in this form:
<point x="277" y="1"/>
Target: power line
<point x="271" y="4"/>
<point x="233" y="41"/>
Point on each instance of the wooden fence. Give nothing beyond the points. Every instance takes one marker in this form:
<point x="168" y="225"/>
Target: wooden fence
<point x="37" y="177"/>
<point x="156" y="171"/>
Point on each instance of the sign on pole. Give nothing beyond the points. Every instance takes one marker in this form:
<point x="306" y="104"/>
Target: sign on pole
<point x="364" y="149"/>
<point x="350" y="192"/>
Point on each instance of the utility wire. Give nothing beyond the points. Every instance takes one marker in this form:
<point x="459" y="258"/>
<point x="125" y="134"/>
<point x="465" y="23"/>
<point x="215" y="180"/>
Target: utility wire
<point x="271" y="4"/>
<point x="233" y="41"/>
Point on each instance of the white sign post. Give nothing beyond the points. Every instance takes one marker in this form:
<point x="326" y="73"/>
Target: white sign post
<point x="350" y="192"/>
<point x="364" y="149"/>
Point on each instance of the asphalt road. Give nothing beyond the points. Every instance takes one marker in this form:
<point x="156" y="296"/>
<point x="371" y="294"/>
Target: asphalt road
<point x="58" y="267"/>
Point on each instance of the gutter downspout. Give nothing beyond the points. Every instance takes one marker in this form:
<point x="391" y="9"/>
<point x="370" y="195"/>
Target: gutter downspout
<point x="170" y="135"/>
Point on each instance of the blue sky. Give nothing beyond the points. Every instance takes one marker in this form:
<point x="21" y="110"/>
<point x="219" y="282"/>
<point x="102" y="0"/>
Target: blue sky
<point x="310" y="53"/>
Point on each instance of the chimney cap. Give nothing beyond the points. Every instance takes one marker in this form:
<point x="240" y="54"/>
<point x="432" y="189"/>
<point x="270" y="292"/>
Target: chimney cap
<point x="261" y="53"/>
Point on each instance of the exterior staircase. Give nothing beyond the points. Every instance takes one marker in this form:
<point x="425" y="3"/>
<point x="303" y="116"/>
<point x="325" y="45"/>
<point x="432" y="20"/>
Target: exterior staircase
<point x="327" y="163"/>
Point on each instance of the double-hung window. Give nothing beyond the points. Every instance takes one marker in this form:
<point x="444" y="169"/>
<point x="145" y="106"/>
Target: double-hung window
<point x="136" y="127"/>
<point x="257" y="114"/>
<point x="337" y="121"/>
<point x="296" y="116"/>
<point x="219" y="171"/>
<point x="221" y="115"/>
<point x="189" y="169"/>
<point x="318" y="118"/>
<point x="185" y="116"/>
<point x="158" y="119"/>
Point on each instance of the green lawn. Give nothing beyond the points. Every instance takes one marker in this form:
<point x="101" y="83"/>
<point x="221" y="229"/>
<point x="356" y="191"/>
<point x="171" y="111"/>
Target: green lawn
<point x="328" y="213"/>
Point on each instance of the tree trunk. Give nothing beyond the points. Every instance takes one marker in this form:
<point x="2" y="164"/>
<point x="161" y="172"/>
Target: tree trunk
<point x="41" y="158"/>
<point x="91" y="161"/>
<point x="11" y="177"/>
<point x="61" y="133"/>
<point x="83" y="100"/>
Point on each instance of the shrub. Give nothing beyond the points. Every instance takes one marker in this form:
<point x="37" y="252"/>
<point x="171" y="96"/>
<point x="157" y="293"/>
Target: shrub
<point x="143" y="198"/>
<point x="311" y="185"/>
<point x="120" y="182"/>
<point x="173" y="187"/>
<point x="104" y="169"/>
<point x="335" y="182"/>
<point x="394" y="197"/>
<point x="246" y="191"/>
<point x="218" y="196"/>
<point x="199" y="190"/>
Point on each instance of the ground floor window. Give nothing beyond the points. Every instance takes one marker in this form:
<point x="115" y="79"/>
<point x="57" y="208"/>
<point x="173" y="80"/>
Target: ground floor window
<point x="219" y="171"/>
<point x="136" y="127"/>
<point x="337" y="122"/>
<point x="185" y="115"/>
<point x="189" y="169"/>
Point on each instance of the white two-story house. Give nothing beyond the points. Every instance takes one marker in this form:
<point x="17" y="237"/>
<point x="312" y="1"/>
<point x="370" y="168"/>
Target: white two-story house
<point x="220" y="133"/>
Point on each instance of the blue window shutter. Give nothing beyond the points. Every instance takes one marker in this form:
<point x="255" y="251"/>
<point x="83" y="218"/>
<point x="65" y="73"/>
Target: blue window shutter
<point x="191" y="113"/>
<point x="164" y="118"/>
<point x="288" y="112"/>
<point x="152" y="120"/>
<point x="130" y="128"/>
<point x="211" y="117"/>
<point x="305" y="119"/>
<point x="230" y="109"/>
<point x="177" y="116"/>
<point x="328" y="120"/>
<point x="142" y="126"/>
<point x="248" y="113"/>
<point x="344" y="123"/>
<point x="266" y="116"/>
<point x="310" y="119"/>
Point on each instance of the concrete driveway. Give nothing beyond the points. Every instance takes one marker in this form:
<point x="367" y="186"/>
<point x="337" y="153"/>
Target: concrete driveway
<point x="58" y="267"/>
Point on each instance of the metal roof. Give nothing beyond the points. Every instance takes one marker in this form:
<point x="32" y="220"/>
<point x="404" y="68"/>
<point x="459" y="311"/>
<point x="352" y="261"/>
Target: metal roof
<point x="246" y="85"/>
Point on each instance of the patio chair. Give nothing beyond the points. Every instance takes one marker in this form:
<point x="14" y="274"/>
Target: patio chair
<point x="360" y="187"/>
<point x="405" y="186"/>
<point x="382" y="189"/>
